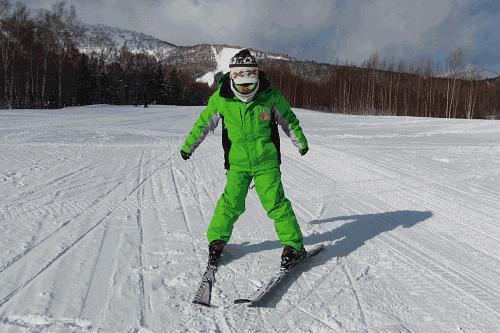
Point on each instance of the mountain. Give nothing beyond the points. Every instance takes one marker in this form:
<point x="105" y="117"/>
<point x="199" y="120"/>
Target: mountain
<point x="99" y="37"/>
<point x="202" y="61"/>
<point x="494" y="80"/>
<point x="472" y="72"/>
<point x="487" y="74"/>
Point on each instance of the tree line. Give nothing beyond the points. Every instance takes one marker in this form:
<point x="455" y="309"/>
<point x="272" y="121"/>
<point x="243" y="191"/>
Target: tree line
<point x="372" y="91"/>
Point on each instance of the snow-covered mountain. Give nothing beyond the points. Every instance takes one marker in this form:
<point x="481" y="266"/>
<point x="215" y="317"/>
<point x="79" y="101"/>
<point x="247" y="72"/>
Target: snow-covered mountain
<point x="203" y="60"/>
<point x="495" y="80"/>
<point x="471" y="71"/>
<point x="487" y="74"/>
<point x="100" y="36"/>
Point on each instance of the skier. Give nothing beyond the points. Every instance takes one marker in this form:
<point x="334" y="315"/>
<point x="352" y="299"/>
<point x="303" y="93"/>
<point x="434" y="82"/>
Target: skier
<point x="250" y="109"/>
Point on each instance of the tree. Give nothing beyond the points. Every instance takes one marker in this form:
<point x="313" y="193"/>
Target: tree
<point x="84" y="84"/>
<point x="6" y="46"/>
<point x="173" y="88"/>
<point x="157" y="86"/>
<point x="11" y="28"/>
<point x="66" y="31"/>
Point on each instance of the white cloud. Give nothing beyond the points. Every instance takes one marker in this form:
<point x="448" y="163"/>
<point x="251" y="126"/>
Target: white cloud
<point x="378" y="25"/>
<point x="187" y="22"/>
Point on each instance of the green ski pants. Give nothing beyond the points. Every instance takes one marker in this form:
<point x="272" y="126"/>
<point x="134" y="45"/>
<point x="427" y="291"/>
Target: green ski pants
<point x="270" y="191"/>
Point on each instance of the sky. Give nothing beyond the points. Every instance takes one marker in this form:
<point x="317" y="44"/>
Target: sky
<point x="321" y="30"/>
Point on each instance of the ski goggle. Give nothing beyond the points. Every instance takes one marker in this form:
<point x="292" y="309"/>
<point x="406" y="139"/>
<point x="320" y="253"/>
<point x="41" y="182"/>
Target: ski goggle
<point x="245" y="88"/>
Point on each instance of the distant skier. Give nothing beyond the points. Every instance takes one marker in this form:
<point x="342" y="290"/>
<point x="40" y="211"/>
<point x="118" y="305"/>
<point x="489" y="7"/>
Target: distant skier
<point x="250" y="109"/>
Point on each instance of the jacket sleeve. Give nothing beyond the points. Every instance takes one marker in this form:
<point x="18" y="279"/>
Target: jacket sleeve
<point x="207" y="121"/>
<point x="284" y="116"/>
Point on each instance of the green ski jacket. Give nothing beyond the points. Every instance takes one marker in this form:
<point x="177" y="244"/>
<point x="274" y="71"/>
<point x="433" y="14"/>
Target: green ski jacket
<point x="250" y="135"/>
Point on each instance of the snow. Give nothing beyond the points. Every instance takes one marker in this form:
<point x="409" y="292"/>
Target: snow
<point x="100" y="34"/>
<point x="222" y="59"/>
<point x="471" y="71"/>
<point x="278" y="57"/>
<point x="102" y="225"/>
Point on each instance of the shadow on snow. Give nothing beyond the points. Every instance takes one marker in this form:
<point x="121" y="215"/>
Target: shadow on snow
<point x="348" y="238"/>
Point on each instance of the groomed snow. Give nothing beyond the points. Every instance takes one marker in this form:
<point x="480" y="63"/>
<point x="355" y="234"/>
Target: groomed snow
<point x="102" y="225"/>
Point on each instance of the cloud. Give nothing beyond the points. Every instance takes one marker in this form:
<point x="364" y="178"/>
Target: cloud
<point x="321" y="30"/>
<point x="188" y="22"/>
<point x="377" y="26"/>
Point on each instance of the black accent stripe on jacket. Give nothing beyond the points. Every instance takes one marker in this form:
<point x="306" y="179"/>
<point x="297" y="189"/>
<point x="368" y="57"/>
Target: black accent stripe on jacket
<point x="275" y="137"/>
<point x="226" y="144"/>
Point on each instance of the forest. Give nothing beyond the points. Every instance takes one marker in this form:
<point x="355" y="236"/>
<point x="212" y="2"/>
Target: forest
<point x="43" y="68"/>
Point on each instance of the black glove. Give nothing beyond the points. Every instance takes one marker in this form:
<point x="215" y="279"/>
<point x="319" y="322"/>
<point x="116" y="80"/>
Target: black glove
<point x="185" y="156"/>
<point x="304" y="151"/>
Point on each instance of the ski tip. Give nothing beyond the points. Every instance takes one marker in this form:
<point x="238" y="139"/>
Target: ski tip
<point x="242" y="301"/>
<point x="317" y="248"/>
<point x="201" y="303"/>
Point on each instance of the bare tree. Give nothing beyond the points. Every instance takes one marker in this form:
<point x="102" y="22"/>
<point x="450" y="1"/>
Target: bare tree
<point x="66" y="30"/>
<point x="44" y="36"/>
<point x="11" y="25"/>
<point x="373" y="62"/>
<point x="455" y="64"/>
<point x="7" y="45"/>
<point x="103" y="43"/>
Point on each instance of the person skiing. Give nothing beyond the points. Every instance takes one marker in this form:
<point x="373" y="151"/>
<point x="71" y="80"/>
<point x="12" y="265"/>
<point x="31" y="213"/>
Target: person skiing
<point x="250" y="109"/>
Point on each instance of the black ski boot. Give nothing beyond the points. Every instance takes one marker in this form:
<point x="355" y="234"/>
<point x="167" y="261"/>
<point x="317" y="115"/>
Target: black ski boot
<point x="290" y="257"/>
<point x="214" y="252"/>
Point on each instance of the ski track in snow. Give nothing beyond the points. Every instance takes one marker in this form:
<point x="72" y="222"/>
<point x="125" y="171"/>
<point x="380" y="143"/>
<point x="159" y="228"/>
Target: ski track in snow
<point x="103" y="225"/>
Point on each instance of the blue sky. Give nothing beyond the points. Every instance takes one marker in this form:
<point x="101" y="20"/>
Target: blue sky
<point x="321" y="30"/>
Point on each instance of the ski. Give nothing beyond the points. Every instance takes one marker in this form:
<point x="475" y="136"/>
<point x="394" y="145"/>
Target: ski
<point x="264" y="289"/>
<point x="204" y="291"/>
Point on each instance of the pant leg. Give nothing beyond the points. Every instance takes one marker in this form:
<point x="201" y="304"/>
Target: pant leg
<point x="270" y="191"/>
<point x="230" y="206"/>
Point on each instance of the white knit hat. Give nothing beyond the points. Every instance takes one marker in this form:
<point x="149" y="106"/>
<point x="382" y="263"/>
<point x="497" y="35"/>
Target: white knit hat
<point x="243" y="68"/>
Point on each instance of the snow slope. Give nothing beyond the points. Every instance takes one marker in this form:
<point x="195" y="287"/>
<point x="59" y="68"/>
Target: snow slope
<point x="222" y="59"/>
<point x="102" y="225"/>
